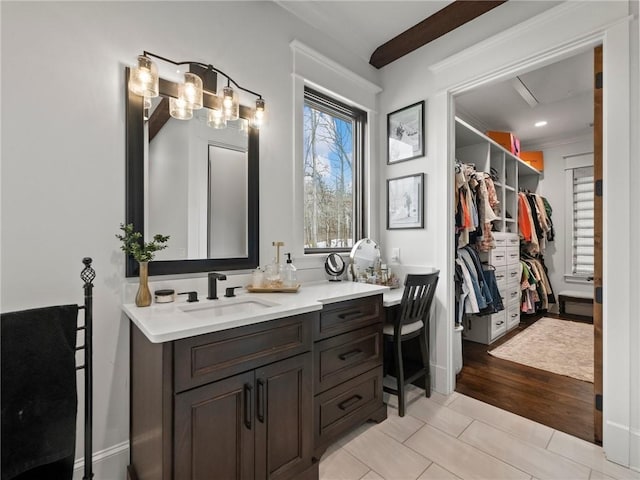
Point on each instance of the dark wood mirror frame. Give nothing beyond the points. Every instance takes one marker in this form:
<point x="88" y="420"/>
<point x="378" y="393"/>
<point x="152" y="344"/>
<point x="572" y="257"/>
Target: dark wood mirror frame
<point x="135" y="192"/>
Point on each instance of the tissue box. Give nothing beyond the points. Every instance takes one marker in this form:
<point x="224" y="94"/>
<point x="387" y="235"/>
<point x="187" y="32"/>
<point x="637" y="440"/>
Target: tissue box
<point x="534" y="158"/>
<point x="506" y="140"/>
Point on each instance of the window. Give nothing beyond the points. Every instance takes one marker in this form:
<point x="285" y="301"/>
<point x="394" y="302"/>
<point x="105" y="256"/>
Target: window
<point x="583" y="221"/>
<point x="333" y="136"/>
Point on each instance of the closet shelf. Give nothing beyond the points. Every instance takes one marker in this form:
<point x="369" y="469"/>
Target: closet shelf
<point x="509" y="188"/>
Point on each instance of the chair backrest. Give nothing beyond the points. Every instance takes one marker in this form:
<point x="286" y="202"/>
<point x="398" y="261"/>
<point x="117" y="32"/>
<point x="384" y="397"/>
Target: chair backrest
<point x="417" y="297"/>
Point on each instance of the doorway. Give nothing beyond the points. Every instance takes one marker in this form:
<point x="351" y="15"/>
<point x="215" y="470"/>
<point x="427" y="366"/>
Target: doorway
<point x="561" y="402"/>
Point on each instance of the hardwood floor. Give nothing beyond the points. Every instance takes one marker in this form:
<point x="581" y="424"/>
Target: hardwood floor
<point x="560" y="402"/>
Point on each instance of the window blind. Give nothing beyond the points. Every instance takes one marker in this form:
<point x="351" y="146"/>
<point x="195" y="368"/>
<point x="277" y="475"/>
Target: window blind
<point x="583" y="221"/>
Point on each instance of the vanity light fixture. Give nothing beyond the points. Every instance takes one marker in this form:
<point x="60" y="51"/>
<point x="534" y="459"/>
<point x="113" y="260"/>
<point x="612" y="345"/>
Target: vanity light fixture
<point x="144" y="81"/>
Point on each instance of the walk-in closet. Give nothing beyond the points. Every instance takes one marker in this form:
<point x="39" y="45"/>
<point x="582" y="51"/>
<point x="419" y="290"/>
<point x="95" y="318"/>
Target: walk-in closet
<point x="524" y="203"/>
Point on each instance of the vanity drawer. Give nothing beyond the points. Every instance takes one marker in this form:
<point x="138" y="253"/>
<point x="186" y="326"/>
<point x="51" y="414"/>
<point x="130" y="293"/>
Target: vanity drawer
<point x="349" y="315"/>
<point x="345" y="356"/>
<point x="206" y="358"/>
<point x="338" y="410"/>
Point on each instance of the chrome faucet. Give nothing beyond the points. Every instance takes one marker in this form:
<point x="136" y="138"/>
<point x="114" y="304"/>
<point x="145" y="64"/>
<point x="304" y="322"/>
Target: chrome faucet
<point x="213" y="284"/>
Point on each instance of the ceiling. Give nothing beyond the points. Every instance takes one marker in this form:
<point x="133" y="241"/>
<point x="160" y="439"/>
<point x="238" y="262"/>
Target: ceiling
<point x="561" y="92"/>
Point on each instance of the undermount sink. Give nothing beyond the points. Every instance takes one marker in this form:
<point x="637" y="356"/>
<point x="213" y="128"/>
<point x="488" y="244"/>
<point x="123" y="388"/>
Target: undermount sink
<point x="224" y="307"/>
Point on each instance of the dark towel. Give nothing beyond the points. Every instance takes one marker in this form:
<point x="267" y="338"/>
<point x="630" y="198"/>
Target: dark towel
<point x="39" y="401"/>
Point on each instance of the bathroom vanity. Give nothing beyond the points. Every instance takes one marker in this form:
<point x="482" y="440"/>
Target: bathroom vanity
<point x="256" y="386"/>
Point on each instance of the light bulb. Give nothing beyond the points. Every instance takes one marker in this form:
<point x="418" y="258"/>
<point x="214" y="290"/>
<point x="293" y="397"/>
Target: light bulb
<point x="144" y="80"/>
<point x="179" y="109"/>
<point x="191" y="90"/>
<point x="259" y="115"/>
<point x="230" y="104"/>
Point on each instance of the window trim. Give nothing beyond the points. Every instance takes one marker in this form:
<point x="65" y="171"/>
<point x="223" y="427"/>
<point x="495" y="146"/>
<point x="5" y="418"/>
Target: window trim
<point x="331" y="105"/>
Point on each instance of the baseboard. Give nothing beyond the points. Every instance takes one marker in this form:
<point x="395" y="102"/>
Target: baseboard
<point x="634" y="460"/>
<point x="441" y="380"/>
<point x="616" y="445"/>
<point x="108" y="464"/>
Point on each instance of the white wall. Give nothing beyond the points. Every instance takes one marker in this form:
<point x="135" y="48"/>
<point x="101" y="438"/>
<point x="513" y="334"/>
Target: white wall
<point x="552" y="186"/>
<point x="438" y="70"/>
<point x="63" y="149"/>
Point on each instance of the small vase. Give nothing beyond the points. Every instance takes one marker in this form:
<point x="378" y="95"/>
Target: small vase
<point x="143" y="297"/>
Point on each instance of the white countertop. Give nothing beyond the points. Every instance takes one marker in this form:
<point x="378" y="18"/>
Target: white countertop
<point x="163" y="322"/>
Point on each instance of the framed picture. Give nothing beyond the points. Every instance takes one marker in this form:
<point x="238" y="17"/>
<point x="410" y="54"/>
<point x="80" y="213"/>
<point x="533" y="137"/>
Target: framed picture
<point x="405" y="202"/>
<point x="405" y="133"/>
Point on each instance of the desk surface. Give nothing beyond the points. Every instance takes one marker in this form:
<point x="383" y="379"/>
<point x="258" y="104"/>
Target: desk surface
<point x="392" y="297"/>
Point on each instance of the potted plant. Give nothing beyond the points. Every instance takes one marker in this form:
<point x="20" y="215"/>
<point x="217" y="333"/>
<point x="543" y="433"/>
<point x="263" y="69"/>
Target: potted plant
<point x="143" y="253"/>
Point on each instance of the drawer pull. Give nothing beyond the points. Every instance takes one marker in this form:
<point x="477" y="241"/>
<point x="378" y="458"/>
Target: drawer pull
<point x="348" y="315"/>
<point x="248" y="405"/>
<point x="499" y="256"/>
<point x="514" y="315"/>
<point x="498" y="277"/>
<point x="499" y="323"/>
<point x="353" y="353"/>
<point x="513" y="294"/>
<point x="349" y="402"/>
<point x="513" y="274"/>
<point x="261" y="400"/>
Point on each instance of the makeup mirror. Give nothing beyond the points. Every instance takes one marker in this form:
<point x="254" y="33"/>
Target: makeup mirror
<point x="364" y="255"/>
<point x="334" y="266"/>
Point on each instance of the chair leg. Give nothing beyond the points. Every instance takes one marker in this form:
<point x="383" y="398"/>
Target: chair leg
<point x="397" y="350"/>
<point x="424" y="350"/>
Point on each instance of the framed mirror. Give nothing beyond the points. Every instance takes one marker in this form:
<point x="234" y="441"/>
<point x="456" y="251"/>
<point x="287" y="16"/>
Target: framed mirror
<point x="197" y="184"/>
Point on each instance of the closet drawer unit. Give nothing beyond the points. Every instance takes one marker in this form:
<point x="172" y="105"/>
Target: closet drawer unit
<point x="498" y="257"/>
<point x="510" y="294"/>
<point x="513" y="315"/>
<point x="501" y="276"/>
<point x="343" y="357"/>
<point x="513" y="274"/>
<point x="513" y="241"/>
<point x="501" y="241"/>
<point x="513" y="255"/>
<point x="498" y="325"/>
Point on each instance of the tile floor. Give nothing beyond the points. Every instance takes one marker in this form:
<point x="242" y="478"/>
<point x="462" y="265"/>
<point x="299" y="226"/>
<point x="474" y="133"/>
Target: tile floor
<point x="458" y="437"/>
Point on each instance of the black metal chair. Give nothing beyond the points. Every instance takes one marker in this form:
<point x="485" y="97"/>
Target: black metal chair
<point x="411" y="321"/>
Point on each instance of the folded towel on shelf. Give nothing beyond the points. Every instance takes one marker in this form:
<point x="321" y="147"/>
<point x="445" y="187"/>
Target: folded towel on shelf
<point x="39" y="400"/>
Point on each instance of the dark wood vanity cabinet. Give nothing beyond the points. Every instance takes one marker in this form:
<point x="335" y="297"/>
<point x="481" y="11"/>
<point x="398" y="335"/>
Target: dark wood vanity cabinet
<point x="257" y="402"/>
<point x="235" y="404"/>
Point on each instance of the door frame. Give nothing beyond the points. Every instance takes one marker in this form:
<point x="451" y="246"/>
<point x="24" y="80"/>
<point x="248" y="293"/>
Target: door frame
<point x="617" y="301"/>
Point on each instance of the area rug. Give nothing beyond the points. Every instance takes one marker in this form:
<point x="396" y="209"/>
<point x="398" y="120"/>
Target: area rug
<point x="557" y="346"/>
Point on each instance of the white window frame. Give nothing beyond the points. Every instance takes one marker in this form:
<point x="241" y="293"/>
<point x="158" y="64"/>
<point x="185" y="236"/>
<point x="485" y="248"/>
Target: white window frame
<point x="572" y="162"/>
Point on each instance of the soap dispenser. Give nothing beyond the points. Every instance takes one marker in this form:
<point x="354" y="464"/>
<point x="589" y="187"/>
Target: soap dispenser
<point x="290" y="273"/>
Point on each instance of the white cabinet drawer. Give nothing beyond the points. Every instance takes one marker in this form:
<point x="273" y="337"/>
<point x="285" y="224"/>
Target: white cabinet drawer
<point x="513" y="255"/>
<point x="513" y="241"/>
<point x="498" y="257"/>
<point x="501" y="277"/>
<point x="513" y="315"/>
<point x="501" y="242"/>
<point x="510" y="294"/>
<point x="498" y="324"/>
<point x="513" y="274"/>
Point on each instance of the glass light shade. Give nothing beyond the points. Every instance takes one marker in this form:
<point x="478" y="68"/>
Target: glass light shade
<point x="259" y="115"/>
<point x="230" y="104"/>
<point x="215" y="119"/>
<point x="191" y="90"/>
<point x="179" y="109"/>
<point x="143" y="80"/>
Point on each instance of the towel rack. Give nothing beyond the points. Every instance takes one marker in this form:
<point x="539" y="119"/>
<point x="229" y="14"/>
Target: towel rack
<point x="87" y="275"/>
